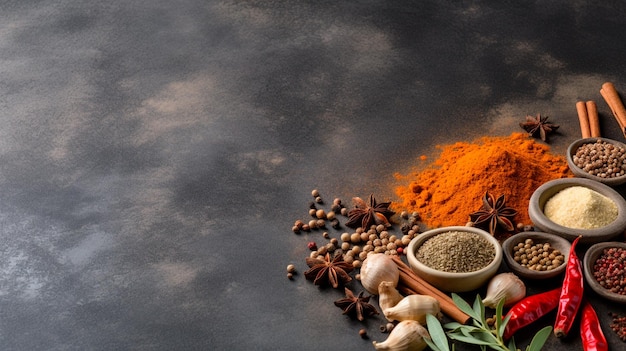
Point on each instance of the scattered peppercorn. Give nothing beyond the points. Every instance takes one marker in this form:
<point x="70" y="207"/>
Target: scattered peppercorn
<point x="363" y="333"/>
<point x="312" y="245"/>
<point x="618" y="325"/>
<point x="291" y="268"/>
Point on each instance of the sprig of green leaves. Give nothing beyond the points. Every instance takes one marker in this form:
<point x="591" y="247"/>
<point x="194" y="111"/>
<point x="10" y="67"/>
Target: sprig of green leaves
<point x="478" y="332"/>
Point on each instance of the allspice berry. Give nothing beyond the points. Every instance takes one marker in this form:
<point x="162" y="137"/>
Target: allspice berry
<point x="363" y="333"/>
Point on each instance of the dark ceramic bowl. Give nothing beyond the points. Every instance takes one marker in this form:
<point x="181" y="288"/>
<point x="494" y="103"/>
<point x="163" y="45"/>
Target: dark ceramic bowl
<point x="454" y="282"/>
<point x="555" y="241"/>
<point x="589" y="260"/>
<point x="544" y="224"/>
<point x="571" y="151"/>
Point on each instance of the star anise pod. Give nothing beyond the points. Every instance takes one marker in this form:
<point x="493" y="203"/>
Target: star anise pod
<point x="539" y="124"/>
<point x="328" y="272"/>
<point x="366" y="214"/>
<point x="494" y="213"/>
<point x="356" y="305"/>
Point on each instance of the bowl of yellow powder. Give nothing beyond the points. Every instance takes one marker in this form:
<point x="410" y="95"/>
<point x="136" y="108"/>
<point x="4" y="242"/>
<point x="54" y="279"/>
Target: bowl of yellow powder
<point x="571" y="207"/>
<point x="455" y="258"/>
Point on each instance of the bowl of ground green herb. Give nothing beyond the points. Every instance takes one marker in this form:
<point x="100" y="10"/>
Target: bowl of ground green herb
<point x="572" y="207"/>
<point x="599" y="159"/>
<point x="455" y="259"/>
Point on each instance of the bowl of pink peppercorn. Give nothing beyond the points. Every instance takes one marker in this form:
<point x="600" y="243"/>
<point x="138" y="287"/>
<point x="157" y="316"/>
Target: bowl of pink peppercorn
<point x="604" y="266"/>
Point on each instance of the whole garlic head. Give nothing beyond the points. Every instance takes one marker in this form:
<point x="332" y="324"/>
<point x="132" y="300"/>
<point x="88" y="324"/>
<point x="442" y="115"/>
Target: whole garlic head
<point x="377" y="268"/>
<point x="413" y="307"/>
<point x="388" y="296"/>
<point x="505" y="286"/>
<point x="406" y="336"/>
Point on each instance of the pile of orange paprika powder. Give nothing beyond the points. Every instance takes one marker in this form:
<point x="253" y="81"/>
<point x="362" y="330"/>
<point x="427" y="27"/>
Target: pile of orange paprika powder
<point x="448" y="190"/>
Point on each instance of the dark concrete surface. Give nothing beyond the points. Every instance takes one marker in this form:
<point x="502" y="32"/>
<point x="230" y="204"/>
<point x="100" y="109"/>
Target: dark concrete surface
<point x="154" y="154"/>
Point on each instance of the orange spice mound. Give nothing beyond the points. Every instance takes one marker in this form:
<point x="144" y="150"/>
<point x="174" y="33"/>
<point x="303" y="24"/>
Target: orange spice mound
<point x="452" y="187"/>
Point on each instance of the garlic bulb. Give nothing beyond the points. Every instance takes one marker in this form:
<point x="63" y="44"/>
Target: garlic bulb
<point x="388" y="295"/>
<point x="413" y="307"/>
<point x="505" y="286"/>
<point x="377" y="268"/>
<point x="406" y="336"/>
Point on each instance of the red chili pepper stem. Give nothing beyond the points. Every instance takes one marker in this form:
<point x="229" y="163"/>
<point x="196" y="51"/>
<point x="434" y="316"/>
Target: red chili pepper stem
<point x="571" y="294"/>
<point x="590" y="330"/>
<point x="530" y="309"/>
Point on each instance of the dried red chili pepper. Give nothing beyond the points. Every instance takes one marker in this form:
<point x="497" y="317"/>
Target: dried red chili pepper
<point x="529" y="309"/>
<point x="571" y="294"/>
<point x="590" y="329"/>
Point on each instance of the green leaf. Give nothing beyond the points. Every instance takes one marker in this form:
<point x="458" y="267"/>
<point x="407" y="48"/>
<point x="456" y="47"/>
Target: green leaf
<point x="464" y="306"/>
<point x="502" y="327"/>
<point x="500" y="323"/>
<point x="467" y="329"/>
<point x="468" y="339"/>
<point x="540" y="339"/>
<point x="479" y="309"/>
<point x="431" y="344"/>
<point x="452" y="325"/>
<point x="512" y="346"/>
<point x="437" y="335"/>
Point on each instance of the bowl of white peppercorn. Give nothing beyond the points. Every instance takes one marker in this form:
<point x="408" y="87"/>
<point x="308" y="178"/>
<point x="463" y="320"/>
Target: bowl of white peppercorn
<point x="599" y="159"/>
<point x="536" y="255"/>
<point x="572" y="207"/>
<point x="456" y="258"/>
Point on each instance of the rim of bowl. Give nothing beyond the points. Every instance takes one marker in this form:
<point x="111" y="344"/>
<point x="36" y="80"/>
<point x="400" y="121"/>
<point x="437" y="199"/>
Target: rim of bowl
<point x="543" y="222"/>
<point x="571" y="150"/>
<point x="593" y="252"/>
<point x="421" y="238"/>
<point x="507" y="245"/>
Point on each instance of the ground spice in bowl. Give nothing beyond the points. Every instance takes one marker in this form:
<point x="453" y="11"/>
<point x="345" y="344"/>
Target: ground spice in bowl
<point x="581" y="208"/>
<point x="456" y="252"/>
<point x="448" y="190"/>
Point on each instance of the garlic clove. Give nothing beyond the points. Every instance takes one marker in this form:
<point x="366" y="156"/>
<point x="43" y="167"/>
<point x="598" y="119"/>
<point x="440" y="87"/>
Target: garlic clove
<point x="507" y="286"/>
<point x="413" y="307"/>
<point x="406" y="336"/>
<point x="388" y="295"/>
<point x="377" y="268"/>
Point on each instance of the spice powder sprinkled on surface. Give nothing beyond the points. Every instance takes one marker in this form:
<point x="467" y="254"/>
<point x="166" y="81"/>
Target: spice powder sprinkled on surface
<point x="580" y="208"/>
<point x="449" y="189"/>
<point x="456" y="252"/>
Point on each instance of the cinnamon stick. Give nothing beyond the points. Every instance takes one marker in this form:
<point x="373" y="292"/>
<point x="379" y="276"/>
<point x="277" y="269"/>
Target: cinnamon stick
<point x="411" y="283"/>
<point x="583" y="118"/>
<point x="610" y="95"/>
<point x="594" y="121"/>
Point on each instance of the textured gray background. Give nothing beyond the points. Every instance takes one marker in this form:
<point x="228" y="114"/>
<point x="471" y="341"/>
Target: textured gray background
<point x="154" y="154"/>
